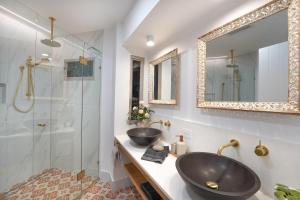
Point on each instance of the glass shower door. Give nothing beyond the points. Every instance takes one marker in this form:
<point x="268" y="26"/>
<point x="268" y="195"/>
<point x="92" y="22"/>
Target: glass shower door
<point x="66" y="116"/>
<point x="41" y="123"/>
<point x="90" y="114"/>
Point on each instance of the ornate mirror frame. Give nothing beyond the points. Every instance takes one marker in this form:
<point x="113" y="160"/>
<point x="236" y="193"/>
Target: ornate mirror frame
<point x="171" y="54"/>
<point x="275" y="6"/>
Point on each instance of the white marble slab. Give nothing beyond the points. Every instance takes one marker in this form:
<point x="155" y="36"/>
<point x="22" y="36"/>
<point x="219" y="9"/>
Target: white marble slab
<point x="165" y="175"/>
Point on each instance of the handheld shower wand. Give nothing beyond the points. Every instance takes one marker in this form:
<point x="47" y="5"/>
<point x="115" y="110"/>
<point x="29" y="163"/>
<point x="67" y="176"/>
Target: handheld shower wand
<point x="30" y="87"/>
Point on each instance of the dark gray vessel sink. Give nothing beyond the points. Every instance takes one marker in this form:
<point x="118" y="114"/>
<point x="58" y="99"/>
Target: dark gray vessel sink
<point x="144" y="136"/>
<point x="216" y="177"/>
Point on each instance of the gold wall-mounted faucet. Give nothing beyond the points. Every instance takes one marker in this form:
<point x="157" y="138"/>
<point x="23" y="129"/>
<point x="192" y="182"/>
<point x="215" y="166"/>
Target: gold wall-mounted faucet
<point x="167" y="123"/>
<point x="43" y="125"/>
<point x="261" y="150"/>
<point x="156" y="122"/>
<point x="232" y="143"/>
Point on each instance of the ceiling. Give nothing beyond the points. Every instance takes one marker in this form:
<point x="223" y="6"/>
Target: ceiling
<point x="77" y="16"/>
<point x="172" y="20"/>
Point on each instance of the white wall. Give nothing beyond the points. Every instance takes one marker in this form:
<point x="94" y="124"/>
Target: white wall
<point x="122" y="77"/>
<point x="121" y="101"/>
<point x="107" y="104"/>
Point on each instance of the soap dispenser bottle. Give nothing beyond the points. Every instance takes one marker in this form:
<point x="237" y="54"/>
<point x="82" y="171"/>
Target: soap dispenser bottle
<point x="181" y="146"/>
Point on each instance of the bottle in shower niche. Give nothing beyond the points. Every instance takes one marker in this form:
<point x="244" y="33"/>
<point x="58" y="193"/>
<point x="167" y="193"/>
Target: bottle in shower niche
<point x="181" y="146"/>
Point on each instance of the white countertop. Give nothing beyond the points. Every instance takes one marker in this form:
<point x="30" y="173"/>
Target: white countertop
<point x="165" y="175"/>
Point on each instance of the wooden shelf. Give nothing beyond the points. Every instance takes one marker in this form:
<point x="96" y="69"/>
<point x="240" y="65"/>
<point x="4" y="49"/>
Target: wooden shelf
<point x="136" y="169"/>
<point x="136" y="178"/>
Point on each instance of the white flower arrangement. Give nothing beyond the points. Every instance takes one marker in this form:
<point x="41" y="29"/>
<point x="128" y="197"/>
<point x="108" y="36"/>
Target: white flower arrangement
<point x="140" y="113"/>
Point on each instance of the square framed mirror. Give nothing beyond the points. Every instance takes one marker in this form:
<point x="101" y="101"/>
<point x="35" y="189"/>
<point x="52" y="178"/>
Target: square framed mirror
<point x="252" y="63"/>
<point x="164" y="79"/>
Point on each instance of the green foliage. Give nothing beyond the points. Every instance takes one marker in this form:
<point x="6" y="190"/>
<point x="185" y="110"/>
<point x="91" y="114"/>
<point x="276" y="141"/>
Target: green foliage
<point x="283" y="192"/>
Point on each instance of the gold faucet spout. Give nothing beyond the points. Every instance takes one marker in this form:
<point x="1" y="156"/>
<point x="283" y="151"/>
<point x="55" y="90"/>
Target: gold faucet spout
<point x="157" y="122"/>
<point x="232" y="143"/>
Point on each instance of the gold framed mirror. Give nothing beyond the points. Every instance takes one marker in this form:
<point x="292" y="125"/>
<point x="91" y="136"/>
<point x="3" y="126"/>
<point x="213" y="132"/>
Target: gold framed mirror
<point x="252" y="62"/>
<point x="164" y="79"/>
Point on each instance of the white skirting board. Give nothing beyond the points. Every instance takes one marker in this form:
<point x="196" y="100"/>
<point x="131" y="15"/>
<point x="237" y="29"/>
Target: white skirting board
<point x="121" y="183"/>
<point x="105" y="176"/>
<point x="116" y="184"/>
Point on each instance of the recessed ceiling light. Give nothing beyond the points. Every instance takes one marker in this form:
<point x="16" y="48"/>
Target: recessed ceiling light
<point x="45" y="54"/>
<point x="150" y="41"/>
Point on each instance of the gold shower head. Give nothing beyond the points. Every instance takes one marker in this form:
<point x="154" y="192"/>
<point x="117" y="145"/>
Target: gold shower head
<point x="50" y="42"/>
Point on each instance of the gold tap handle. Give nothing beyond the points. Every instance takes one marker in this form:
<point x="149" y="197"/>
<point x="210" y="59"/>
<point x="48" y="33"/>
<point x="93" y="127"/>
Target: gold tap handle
<point x="42" y="125"/>
<point x="167" y="123"/>
<point x="261" y="150"/>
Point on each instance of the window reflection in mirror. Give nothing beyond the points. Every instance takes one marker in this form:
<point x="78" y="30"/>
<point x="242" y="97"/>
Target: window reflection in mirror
<point x="250" y="64"/>
<point x="136" y="89"/>
<point x="164" y="79"/>
<point x="164" y="83"/>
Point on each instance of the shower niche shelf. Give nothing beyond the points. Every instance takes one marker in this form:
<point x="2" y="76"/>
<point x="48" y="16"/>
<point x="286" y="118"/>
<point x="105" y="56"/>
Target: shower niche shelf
<point x="57" y="99"/>
<point x="50" y="67"/>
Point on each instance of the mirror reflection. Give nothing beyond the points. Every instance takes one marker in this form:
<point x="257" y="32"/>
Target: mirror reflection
<point x="250" y="64"/>
<point x="137" y="74"/>
<point x="164" y="80"/>
<point x="164" y="83"/>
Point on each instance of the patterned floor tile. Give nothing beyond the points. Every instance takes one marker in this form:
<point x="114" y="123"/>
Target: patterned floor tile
<point x="103" y="191"/>
<point x="59" y="184"/>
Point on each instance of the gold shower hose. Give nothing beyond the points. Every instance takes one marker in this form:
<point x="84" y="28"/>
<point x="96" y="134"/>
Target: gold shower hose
<point x="30" y="87"/>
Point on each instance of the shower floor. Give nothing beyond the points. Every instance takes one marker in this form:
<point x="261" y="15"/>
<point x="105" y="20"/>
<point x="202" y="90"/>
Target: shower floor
<point x="63" y="185"/>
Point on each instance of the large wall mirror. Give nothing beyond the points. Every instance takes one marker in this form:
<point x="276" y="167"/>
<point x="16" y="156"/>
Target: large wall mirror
<point x="163" y="79"/>
<point x="136" y="81"/>
<point x="252" y="63"/>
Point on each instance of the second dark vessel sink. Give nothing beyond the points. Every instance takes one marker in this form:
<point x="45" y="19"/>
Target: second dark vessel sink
<point x="144" y="136"/>
<point x="216" y="177"/>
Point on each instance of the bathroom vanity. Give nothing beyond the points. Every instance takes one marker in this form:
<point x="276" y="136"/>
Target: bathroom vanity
<point x="164" y="178"/>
